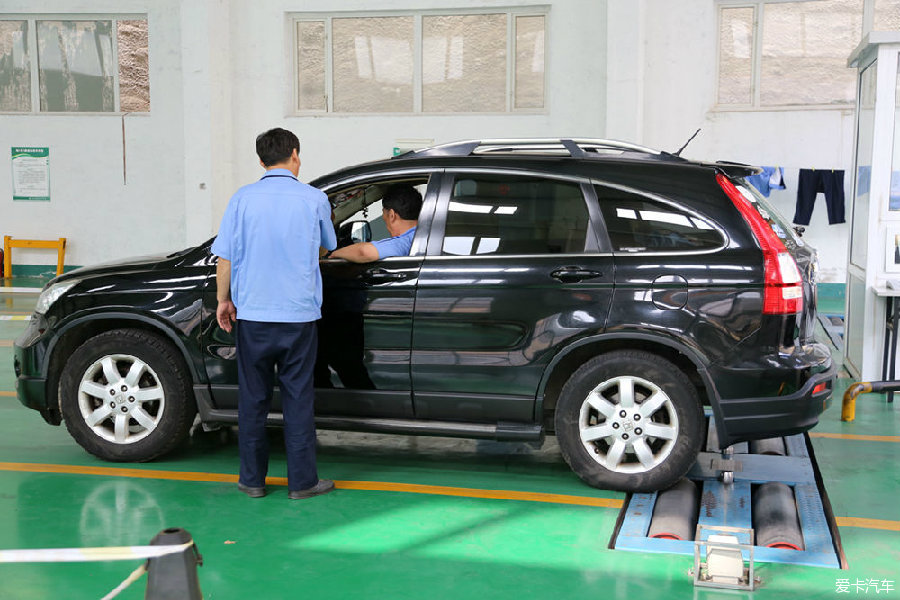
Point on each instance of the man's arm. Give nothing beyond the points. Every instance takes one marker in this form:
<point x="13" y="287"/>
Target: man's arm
<point x="226" y="313"/>
<point x="363" y="252"/>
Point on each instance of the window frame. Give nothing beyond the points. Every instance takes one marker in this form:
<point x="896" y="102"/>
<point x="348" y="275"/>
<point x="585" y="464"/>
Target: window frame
<point x="34" y="62"/>
<point x="511" y="13"/>
<point x="758" y="7"/>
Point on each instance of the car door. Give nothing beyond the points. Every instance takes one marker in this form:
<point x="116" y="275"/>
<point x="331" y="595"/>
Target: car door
<point x="362" y="366"/>
<point x="363" y="360"/>
<point x="513" y="271"/>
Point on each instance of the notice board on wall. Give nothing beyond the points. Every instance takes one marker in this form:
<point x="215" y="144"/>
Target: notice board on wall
<point x="31" y="173"/>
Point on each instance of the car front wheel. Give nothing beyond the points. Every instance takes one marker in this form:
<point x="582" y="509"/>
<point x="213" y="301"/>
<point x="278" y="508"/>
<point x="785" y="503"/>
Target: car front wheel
<point x="629" y="420"/>
<point x="125" y="396"/>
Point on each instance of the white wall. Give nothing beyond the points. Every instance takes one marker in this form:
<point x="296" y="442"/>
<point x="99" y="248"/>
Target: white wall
<point x="576" y="88"/>
<point x="678" y="96"/>
<point x="221" y="72"/>
<point x="91" y="204"/>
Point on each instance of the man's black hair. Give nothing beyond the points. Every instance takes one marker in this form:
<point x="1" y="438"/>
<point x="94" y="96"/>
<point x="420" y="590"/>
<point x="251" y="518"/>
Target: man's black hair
<point x="404" y="199"/>
<point x="276" y="146"/>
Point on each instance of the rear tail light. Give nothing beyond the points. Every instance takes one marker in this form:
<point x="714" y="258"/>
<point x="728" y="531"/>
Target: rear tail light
<point x="783" y="287"/>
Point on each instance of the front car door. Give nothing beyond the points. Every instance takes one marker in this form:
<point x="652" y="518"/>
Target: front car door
<point x="362" y="369"/>
<point x="514" y="271"/>
<point x="362" y="365"/>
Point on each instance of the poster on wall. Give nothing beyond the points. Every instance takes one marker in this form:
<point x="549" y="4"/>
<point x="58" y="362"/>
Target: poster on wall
<point x="31" y="173"/>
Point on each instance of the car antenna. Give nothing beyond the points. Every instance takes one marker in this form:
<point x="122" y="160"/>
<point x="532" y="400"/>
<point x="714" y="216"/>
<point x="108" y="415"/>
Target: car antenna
<point x="687" y="142"/>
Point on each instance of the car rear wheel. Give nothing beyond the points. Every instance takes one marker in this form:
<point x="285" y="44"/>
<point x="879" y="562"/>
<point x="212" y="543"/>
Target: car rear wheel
<point x="125" y="396"/>
<point x="629" y="420"/>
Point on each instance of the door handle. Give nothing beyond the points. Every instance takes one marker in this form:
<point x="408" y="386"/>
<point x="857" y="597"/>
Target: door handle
<point x="380" y="275"/>
<point x="574" y="274"/>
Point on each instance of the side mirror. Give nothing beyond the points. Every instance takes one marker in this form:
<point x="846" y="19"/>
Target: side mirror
<point x="353" y="233"/>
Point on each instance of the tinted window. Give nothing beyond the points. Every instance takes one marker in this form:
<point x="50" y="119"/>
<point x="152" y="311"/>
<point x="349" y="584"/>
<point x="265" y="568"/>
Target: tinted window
<point x="636" y="224"/>
<point x="491" y="214"/>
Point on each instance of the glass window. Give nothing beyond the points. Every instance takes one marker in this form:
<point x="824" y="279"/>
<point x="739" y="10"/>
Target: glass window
<point x="865" y="137"/>
<point x="75" y="66"/>
<point x="373" y="64"/>
<point x="363" y="203"/>
<point x="134" y="72"/>
<point x="15" y="67"/>
<point x="530" y="62"/>
<point x="788" y="53"/>
<point x="464" y="63"/>
<point x="805" y="47"/>
<point x="515" y="215"/>
<point x="311" y="65"/>
<point x="82" y="65"/>
<point x="887" y="15"/>
<point x="736" y="56"/>
<point x="639" y="224"/>
<point x="491" y="62"/>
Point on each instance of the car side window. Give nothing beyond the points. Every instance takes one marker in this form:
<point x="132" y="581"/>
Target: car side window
<point x="637" y="223"/>
<point x="502" y="214"/>
<point x="362" y="203"/>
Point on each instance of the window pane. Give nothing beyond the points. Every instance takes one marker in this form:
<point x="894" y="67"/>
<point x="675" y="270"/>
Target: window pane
<point x="134" y="73"/>
<point x="515" y="215"/>
<point x="464" y="63"/>
<point x="736" y="56"/>
<point x="76" y="70"/>
<point x="638" y="224"/>
<point x="887" y="15"/>
<point x="15" y="67"/>
<point x="529" y="62"/>
<point x="311" y="65"/>
<point x="804" y="52"/>
<point x="373" y="64"/>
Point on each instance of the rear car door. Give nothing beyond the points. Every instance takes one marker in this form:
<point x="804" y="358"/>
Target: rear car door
<point x="513" y="271"/>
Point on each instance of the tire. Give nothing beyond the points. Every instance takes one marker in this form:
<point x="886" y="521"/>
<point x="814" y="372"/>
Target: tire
<point x="125" y="396"/>
<point x="611" y="451"/>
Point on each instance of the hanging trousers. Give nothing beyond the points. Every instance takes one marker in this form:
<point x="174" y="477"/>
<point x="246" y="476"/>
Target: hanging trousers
<point x="814" y="181"/>
<point x="291" y="347"/>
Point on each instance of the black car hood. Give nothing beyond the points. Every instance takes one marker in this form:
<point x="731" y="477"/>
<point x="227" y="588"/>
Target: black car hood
<point x="127" y="265"/>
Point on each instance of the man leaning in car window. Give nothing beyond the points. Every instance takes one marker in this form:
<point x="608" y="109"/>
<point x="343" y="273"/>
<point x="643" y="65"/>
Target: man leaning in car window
<point x="400" y="208"/>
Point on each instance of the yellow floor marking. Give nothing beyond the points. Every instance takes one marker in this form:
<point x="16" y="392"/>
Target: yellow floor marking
<point x="851" y="436"/>
<point x="868" y="523"/>
<point x="347" y="485"/>
<point x="380" y="486"/>
<point x="6" y="343"/>
<point x="8" y="394"/>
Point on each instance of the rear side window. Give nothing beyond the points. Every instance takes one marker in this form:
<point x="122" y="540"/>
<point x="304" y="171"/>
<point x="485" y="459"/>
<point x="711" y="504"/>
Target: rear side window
<point x="636" y="223"/>
<point x="495" y="215"/>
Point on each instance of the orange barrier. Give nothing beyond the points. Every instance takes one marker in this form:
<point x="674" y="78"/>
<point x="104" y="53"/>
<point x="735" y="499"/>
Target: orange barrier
<point x="9" y="243"/>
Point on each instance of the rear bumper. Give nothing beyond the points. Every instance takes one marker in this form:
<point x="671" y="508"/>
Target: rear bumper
<point x="744" y="419"/>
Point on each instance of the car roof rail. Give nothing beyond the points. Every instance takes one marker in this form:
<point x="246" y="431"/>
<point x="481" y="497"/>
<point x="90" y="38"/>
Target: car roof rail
<point x="574" y="147"/>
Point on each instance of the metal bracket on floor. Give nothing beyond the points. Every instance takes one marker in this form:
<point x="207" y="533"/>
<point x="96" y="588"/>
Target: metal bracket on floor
<point x="724" y="566"/>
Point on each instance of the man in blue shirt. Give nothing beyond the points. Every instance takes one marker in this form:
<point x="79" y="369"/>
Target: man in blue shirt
<point x="400" y="208"/>
<point x="268" y="285"/>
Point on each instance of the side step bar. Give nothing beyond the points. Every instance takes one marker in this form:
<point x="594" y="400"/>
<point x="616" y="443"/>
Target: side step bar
<point x="500" y="431"/>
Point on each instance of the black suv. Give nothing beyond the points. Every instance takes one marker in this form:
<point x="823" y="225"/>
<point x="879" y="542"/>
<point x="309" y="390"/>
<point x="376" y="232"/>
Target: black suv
<point x="599" y="291"/>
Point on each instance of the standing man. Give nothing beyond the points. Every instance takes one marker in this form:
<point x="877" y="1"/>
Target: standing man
<point x="269" y="285"/>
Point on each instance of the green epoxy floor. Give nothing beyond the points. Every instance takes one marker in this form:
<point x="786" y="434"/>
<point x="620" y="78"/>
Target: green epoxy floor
<point x="376" y="544"/>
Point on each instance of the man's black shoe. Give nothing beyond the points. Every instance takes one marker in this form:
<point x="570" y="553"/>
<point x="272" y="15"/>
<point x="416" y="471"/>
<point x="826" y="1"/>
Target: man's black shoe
<point x="323" y="487"/>
<point x="253" y="492"/>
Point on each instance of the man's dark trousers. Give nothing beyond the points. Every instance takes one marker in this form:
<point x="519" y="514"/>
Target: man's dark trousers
<point x="291" y="347"/>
